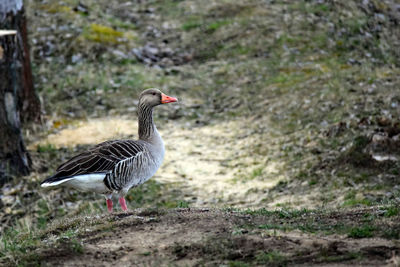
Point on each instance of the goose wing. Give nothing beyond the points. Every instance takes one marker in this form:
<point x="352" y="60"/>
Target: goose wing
<point x="102" y="158"/>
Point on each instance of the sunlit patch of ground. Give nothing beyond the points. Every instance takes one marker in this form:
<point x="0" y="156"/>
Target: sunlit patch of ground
<point x="210" y="164"/>
<point x="206" y="160"/>
<point x="92" y="131"/>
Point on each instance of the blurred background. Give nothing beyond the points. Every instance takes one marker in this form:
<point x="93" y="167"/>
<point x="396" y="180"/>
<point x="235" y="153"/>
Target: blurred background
<point x="291" y="104"/>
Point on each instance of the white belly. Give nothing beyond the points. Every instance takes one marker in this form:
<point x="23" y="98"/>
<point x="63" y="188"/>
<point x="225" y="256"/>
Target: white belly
<point x="88" y="182"/>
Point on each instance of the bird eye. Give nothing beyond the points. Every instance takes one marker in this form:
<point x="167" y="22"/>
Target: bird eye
<point x="153" y="93"/>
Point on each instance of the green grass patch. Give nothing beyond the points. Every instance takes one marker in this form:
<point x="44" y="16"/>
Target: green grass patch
<point x="191" y="23"/>
<point x="16" y="246"/>
<point x="340" y="258"/>
<point x="357" y="202"/>
<point x="351" y="200"/>
<point x="281" y="213"/>
<point x="273" y="257"/>
<point x="362" y="231"/>
<point x="46" y="148"/>
<point x="392" y="211"/>
<point x="214" y="26"/>
<point x="238" y="264"/>
<point x="183" y="204"/>
<point x="392" y="233"/>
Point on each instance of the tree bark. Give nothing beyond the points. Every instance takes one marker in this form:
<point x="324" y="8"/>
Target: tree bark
<point x="13" y="17"/>
<point x="18" y="100"/>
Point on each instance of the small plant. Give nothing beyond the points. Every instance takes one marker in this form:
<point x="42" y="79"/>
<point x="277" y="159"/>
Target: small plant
<point x="351" y="200"/>
<point x="191" y="24"/>
<point x="216" y="25"/>
<point x="392" y="211"/>
<point x="392" y="233"/>
<point x="77" y="246"/>
<point x="362" y="231"/>
<point x="237" y="264"/>
<point x="46" y="148"/>
<point x="183" y="204"/>
<point x="256" y="172"/>
<point x="273" y="257"/>
<point x="313" y="181"/>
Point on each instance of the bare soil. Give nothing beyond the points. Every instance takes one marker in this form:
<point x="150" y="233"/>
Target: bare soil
<point x="211" y="237"/>
<point x="209" y="164"/>
<point x="287" y="106"/>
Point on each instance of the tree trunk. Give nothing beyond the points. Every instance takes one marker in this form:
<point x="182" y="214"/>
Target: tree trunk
<point x="18" y="99"/>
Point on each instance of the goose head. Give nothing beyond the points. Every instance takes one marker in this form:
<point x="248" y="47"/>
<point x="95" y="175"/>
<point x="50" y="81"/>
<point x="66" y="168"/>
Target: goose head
<point x="153" y="97"/>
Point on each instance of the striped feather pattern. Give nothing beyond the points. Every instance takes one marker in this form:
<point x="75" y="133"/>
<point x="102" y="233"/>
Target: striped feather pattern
<point x="116" y="166"/>
<point x="111" y="157"/>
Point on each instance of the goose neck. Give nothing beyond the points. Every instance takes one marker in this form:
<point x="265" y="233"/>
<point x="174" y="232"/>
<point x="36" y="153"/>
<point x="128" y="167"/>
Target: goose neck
<point x="146" y="124"/>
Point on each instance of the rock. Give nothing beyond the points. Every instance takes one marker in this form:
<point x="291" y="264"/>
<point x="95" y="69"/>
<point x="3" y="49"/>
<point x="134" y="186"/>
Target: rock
<point x="336" y="129"/>
<point x="396" y="138"/>
<point x="82" y="8"/>
<point x="379" y="139"/>
<point x="383" y="121"/>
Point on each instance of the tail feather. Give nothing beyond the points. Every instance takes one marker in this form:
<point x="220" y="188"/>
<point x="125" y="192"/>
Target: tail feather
<point x="84" y="182"/>
<point x="55" y="180"/>
<point x="48" y="182"/>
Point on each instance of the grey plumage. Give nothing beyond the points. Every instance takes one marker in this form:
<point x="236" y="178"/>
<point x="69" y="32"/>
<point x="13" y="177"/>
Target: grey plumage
<point x="113" y="167"/>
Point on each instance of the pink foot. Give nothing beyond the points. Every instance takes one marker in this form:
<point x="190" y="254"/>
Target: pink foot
<point x="109" y="205"/>
<point x="122" y="203"/>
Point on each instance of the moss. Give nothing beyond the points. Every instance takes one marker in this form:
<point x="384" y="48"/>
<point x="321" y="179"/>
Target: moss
<point x="102" y="34"/>
<point x="57" y="8"/>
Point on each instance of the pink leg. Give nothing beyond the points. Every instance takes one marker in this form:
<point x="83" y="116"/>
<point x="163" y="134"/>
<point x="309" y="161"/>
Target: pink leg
<point x="109" y="205"/>
<point x="122" y="203"/>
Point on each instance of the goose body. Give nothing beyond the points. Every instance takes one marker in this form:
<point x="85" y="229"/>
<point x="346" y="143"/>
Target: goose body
<point x="114" y="167"/>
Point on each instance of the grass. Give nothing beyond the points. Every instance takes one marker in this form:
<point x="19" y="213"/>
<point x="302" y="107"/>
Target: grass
<point x="295" y="75"/>
<point x="271" y="258"/>
<point x="362" y="231"/>
<point x="340" y="258"/>
<point x="26" y="246"/>
<point x="214" y="26"/>
<point x="281" y="213"/>
<point x="238" y="264"/>
<point x="191" y="23"/>
<point x="318" y="222"/>
<point x="392" y="211"/>
<point x="351" y="200"/>
<point x="16" y="246"/>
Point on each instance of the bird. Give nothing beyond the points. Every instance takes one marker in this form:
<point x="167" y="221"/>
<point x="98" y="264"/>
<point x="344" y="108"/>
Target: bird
<point x="113" y="167"/>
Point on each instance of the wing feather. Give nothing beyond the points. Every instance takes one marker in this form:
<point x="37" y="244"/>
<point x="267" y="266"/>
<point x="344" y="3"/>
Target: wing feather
<point x="103" y="157"/>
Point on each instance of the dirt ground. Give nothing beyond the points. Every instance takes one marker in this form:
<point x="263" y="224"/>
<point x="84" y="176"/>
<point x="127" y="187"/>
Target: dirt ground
<point x="284" y="147"/>
<point x="211" y="237"/>
<point x="197" y="161"/>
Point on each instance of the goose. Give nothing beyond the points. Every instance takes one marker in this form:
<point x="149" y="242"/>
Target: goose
<point x="113" y="167"/>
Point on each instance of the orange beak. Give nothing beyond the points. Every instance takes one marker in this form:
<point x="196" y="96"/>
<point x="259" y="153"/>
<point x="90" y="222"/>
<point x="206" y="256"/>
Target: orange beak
<point x="167" y="99"/>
